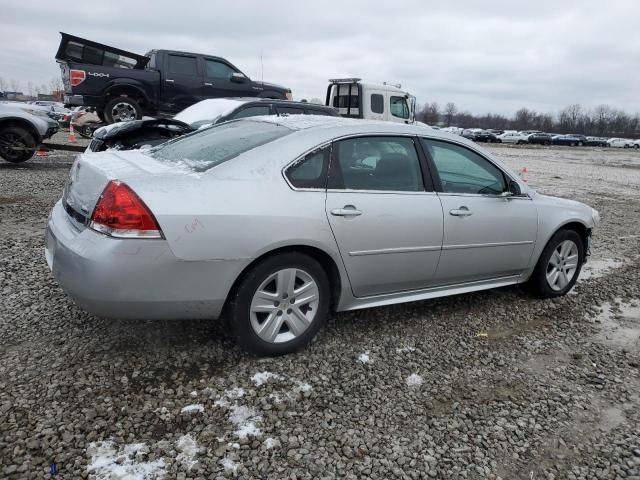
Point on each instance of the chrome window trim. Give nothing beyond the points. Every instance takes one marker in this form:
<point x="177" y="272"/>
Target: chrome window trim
<point x="385" y="192"/>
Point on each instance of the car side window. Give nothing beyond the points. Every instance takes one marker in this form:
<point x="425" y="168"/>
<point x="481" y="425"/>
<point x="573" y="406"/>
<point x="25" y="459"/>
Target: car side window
<point x="183" y="65"/>
<point x="377" y="103"/>
<point x="311" y="170"/>
<point x="377" y="163"/>
<point x="399" y="107"/>
<point x="217" y="69"/>
<point x="464" y="171"/>
<point x="251" y="112"/>
<point x="290" y="110"/>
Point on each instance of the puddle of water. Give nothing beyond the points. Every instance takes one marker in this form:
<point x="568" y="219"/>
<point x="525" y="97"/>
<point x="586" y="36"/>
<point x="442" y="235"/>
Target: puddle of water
<point x="596" y="268"/>
<point x="620" y="324"/>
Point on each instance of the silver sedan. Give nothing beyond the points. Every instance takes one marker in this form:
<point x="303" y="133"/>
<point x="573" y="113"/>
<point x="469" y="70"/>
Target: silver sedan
<point x="276" y="222"/>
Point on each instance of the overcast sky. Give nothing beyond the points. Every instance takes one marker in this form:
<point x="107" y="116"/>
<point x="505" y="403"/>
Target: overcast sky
<point x="490" y="56"/>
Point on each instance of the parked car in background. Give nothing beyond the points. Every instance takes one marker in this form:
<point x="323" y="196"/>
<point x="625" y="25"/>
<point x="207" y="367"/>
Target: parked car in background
<point x="137" y="133"/>
<point x="540" y="138"/>
<point x="572" y="140"/>
<point x="252" y="216"/>
<point x="597" y="142"/>
<point x="486" y="136"/>
<point x="620" y="143"/>
<point x="636" y="144"/>
<point x="125" y="86"/>
<point x="517" y="138"/>
<point x="22" y="130"/>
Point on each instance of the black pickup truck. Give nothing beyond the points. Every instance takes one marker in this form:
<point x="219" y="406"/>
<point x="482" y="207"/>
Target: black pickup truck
<point x="125" y="86"/>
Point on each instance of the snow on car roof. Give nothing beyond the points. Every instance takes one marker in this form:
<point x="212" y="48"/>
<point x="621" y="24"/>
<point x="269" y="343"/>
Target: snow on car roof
<point x="209" y="110"/>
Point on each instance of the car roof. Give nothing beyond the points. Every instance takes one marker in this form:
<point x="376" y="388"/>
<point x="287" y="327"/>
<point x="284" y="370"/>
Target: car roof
<point x="333" y="127"/>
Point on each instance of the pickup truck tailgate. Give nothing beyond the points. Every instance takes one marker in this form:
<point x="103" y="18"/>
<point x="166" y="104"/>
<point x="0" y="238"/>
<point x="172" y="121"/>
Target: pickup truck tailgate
<point x="81" y="50"/>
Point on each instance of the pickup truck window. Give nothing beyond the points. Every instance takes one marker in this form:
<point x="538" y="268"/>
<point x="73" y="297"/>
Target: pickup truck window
<point x="183" y="65"/>
<point x="219" y="70"/>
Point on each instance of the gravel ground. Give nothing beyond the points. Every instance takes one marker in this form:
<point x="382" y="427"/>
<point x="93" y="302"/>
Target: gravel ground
<point x="495" y="384"/>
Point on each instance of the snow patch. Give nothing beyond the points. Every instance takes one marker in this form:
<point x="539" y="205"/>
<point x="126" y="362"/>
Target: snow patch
<point x="195" y="408"/>
<point x="110" y="462"/>
<point x="303" y="387"/>
<point x="405" y="349"/>
<point x="262" y="377"/>
<point x="245" y="418"/>
<point x="364" y="357"/>
<point x="194" y="393"/>
<point x="188" y="449"/>
<point x="229" y="465"/>
<point x="271" y="443"/>
<point x="208" y="110"/>
<point x="414" y="380"/>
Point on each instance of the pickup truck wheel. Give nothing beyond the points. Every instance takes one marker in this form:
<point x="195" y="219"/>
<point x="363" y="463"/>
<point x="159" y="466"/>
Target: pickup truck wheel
<point x="16" y="144"/>
<point x="122" y="109"/>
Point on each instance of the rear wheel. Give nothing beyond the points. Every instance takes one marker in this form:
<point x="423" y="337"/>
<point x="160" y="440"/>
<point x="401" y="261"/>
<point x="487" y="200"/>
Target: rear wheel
<point x="17" y="144"/>
<point x="280" y="304"/>
<point x="580" y="144"/>
<point x="559" y="265"/>
<point x="122" y="109"/>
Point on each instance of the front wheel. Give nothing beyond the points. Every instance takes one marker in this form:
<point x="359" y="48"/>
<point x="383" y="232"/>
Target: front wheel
<point x="122" y="109"/>
<point x="280" y="304"/>
<point x="559" y="265"/>
<point x="580" y="144"/>
<point x="17" y="145"/>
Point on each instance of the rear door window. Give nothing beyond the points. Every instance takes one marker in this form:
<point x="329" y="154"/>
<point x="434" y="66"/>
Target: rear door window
<point x="183" y="65"/>
<point x="252" y="112"/>
<point x="311" y="170"/>
<point x="290" y="110"/>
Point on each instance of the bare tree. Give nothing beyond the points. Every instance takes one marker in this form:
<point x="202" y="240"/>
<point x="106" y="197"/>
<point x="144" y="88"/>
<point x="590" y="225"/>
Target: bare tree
<point x="3" y="84"/>
<point x="15" y="85"/>
<point x="450" y="111"/>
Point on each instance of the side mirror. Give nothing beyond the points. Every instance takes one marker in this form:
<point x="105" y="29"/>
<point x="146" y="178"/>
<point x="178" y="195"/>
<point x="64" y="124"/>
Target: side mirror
<point x="513" y="189"/>
<point x="238" y="77"/>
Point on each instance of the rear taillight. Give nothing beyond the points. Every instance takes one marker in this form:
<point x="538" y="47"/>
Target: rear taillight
<point x="76" y="77"/>
<point x="121" y="213"/>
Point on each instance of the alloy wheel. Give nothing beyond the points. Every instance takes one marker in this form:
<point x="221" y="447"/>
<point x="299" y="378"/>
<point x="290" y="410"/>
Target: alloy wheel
<point x="123" y="112"/>
<point x="284" y="305"/>
<point x="12" y="146"/>
<point x="562" y="265"/>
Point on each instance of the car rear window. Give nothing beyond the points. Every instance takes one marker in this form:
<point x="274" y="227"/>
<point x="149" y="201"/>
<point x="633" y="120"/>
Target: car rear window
<point x="207" y="148"/>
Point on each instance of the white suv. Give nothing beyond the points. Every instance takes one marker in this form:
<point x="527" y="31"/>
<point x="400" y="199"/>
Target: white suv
<point x="518" y="138"/>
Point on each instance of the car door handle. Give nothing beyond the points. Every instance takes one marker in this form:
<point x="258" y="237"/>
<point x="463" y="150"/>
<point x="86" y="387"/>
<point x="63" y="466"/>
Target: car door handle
<point x="168" y="80"/>
<point x="208" y="84"/>
<point x="346" y="211"/>
<point x="461" y="212"/>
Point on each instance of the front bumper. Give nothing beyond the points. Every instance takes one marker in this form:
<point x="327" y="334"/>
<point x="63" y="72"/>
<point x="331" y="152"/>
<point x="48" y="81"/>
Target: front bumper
<point x="133" y="278"/>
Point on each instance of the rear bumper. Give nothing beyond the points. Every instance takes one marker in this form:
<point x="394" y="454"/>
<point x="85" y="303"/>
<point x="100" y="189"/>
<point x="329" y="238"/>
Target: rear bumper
<point x="83" y="101"/>
<point x="133" y="278"/>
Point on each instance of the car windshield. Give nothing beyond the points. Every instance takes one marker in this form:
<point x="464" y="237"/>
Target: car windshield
<point x="209" y="147"/>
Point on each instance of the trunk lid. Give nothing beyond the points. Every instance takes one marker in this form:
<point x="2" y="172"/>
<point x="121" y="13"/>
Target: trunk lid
<point x="91" y="173"/>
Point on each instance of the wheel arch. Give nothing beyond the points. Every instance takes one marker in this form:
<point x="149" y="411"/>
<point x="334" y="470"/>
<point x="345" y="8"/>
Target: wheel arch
<point x="127" y="90"/>
<point x="22" y="123"/>
<point x="580" y="228"/>
<point x="326" y="261"/>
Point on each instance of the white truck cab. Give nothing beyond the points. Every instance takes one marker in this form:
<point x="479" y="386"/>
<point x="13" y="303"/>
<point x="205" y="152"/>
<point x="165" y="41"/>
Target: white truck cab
<point x="356" y="99"/>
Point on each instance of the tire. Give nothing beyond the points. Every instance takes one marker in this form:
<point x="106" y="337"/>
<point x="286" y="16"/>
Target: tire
<point x="279" y="308"/>
<point x="636" y="146"/>
<point x="580" y="144"/>
<point x="121" y="109"/>
<point x="539" y="280"/>
<point x="573" y="144"/>
<point x="86" y="131"/>
<point x="17" y="144"/>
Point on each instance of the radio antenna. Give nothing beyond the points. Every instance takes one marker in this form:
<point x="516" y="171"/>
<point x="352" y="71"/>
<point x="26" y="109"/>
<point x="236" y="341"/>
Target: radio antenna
<point x="261" y="68"/>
